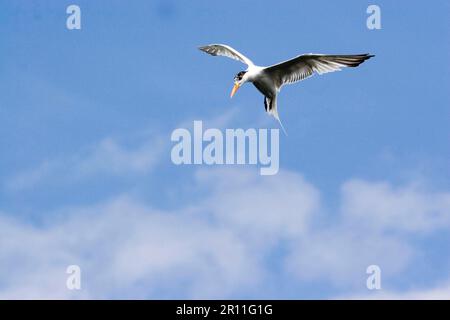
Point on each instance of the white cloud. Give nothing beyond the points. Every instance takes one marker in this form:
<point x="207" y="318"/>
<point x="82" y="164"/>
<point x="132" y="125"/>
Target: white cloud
<point x="122" y="246"/>
<point x="111" y="158"/>
<point x="383" y="206"/>
<point x="107" y="157"/>
<point x="440" y="292"/>
<point x="340" y="256"/>
<point x="375" y="222"/>
<point x="261" y="207"/>
<point x="216" y="247"/>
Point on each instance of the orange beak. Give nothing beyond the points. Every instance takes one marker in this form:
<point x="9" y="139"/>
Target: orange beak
<point x="235" y="88"/>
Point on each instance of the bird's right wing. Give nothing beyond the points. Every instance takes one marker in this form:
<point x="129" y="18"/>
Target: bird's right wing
<point x="306" y="65"/>
<point x="226" y="51"/>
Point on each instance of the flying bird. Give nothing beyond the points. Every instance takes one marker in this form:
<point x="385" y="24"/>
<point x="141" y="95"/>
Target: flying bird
<point x="269" y="80"/>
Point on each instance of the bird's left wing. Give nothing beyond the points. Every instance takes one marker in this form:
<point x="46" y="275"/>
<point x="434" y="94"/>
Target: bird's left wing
<point x="226" y="51"/>
<point x="306" y="65"/>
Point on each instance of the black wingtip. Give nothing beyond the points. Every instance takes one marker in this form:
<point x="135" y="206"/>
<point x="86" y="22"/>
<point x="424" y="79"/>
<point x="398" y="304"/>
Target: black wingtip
<point x="367" y="56"/>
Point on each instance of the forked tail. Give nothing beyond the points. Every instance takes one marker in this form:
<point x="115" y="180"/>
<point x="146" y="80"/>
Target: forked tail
<point x="271" y="108"/>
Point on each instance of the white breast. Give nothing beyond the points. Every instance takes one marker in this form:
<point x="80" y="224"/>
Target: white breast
<point x="254" y="73"/>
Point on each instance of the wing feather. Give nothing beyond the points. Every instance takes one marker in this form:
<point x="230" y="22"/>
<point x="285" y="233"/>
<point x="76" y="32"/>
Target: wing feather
<point x="306" y="65"/>
<point x="226" y="51"/>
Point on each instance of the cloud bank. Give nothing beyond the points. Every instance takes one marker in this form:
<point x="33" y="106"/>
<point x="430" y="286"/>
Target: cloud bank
<point x="220" y="246"/>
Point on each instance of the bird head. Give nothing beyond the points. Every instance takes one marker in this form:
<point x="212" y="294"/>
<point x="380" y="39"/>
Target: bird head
<point x="239" y="80"/>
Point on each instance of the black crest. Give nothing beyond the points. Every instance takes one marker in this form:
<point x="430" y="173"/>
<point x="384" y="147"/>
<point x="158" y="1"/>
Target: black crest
<point x="239" y="76"/>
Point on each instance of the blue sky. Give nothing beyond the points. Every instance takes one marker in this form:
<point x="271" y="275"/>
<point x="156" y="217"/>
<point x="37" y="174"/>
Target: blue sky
<point x="86" y="177"/>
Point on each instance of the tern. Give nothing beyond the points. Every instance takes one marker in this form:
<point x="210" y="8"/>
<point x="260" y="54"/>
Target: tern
<point x="269" y="80"/>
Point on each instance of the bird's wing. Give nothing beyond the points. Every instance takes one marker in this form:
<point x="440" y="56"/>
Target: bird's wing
<point x="306" y="65"/>
<point x="226" y="51"/>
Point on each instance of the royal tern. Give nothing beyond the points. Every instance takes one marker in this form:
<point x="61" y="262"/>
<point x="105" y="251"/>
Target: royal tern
<point x="269" y="80"/>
